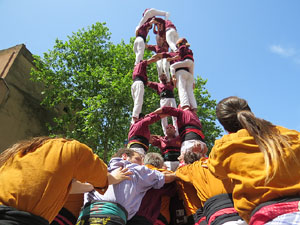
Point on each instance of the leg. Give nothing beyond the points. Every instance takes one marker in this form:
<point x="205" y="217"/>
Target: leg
<point x="164" y="121"/>
<point x="159" y="67"/>
<point x="150" y="13"/>
<point x="137" y="92"/>
<point x="181" y="76"/>
<point x="174" y="119"/>
<point x="139" y="48"/>
<point x="190" y="91"/>
<point x="166" y="68"/>
<point x="172" y="37"/>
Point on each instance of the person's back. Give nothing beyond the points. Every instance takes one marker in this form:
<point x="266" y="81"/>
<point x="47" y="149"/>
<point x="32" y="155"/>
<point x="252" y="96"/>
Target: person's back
<point x="38" y="180"/>
<point x="150" y="206"/>
<point x="244" y="155"/>
<point x="128" y="194"/>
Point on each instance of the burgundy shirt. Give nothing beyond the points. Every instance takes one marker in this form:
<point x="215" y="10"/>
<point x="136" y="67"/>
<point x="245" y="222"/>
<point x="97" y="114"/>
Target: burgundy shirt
<point x="164" y="144"/>
<point x="143" y="30"/>
<point x="159" y="49"/>
<point x="150" y="206"/>
<point x="185" y="53"/>
<point x="141" y="127"/>
<point x="184" y="117"/>
<point x="160" y="87"/>
<point x="169" y="24"/>
<point x="140" y="71"/>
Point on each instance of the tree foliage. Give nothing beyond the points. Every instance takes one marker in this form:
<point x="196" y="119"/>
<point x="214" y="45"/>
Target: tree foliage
<point x="88" y="78"/>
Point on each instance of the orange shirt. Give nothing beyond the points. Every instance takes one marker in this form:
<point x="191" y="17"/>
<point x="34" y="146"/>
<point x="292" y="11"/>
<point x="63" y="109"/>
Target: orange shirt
<point x="39" y="182"/>
<point x="205" y="183"/>
<point x="188" y="194"/>
<point x="237" y="156"/>
<point x="74" y="203"/>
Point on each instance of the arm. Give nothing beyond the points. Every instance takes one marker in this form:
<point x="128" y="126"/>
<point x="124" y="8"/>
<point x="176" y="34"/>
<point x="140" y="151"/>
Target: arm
<point x="78" y="187"/>
<point x="169" y="177"/>
<point x="151" y="47"/>
<point x="153" y="85"/>
<point x="173" y="58"/>
<point x="154" y="58"/>
<point x="150" y="119"/>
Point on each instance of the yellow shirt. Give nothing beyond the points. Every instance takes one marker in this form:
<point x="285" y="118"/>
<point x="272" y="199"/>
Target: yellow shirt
<point x="206" y="184"/>
<point x="39" y="182"/>
<point x="74" y="203"/>
<point x="237" y="156"/>
<point x="188" y="194"/>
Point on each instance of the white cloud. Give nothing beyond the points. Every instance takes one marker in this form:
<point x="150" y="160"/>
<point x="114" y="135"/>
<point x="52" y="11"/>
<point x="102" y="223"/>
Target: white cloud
<point x="286" y="52"/>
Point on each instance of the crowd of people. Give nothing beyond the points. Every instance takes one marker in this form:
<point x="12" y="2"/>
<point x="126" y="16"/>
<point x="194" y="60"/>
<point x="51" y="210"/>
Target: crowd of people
<point x="250" y="176"/>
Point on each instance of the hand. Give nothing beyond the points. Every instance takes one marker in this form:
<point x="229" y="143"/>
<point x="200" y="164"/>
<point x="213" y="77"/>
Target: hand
<point x="174" y="81"/>
<point x="118" y="175"/>
<point x="153" y="138"/>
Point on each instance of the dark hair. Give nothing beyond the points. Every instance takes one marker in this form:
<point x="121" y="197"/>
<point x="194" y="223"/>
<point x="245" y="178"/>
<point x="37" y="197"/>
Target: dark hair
<point x="235" y="114"/>
<point x="154" y="159"/>
<point x="190" y="157"/>
<point x="227" y="111"/>
<point x="141" y="115"/>
<point x="129" y="152"/>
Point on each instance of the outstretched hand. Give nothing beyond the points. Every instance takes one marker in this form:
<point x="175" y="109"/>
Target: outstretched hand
<point x="118" y="175"/>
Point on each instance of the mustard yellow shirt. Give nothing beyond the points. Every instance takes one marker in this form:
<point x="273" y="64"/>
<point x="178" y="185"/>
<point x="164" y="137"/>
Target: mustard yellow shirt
<point x="206" y="184"/>
<point x="39" y="182"/>
<point x="74" y="203"/>
<point x="237" y="156"/>
<point x="188" y="194"/>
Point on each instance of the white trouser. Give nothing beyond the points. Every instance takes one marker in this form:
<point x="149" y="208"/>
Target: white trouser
<point x="185" y="81"/>
<point x="187" y="63"/>
<point x="172" y="37"/>
<point x="138" y="48"/>
<point x="237" y="222"/>
<point x="163" y="66"/>
<point x="171" y="165"/>
<point x="137" y="93"/>
<point x="170" y="102"/>
<point x="150" y="13"/>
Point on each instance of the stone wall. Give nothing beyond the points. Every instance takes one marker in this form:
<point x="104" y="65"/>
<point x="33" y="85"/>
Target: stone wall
<point x="21" y="115"/>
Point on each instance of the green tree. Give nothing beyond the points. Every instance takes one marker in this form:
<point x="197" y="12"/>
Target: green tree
<point x="87" y="80"/>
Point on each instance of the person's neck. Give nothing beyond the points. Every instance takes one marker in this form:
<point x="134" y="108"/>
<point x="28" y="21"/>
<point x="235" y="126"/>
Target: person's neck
<point x="170" y="136"/>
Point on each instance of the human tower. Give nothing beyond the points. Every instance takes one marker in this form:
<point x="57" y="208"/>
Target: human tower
<point x="175" y="68"/>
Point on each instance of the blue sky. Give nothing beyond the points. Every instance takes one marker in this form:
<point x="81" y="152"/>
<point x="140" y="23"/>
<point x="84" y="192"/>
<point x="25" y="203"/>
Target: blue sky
<point x="246" y="48"/>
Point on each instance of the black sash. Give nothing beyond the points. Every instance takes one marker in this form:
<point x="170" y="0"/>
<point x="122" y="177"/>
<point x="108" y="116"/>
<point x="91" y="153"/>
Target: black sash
<point x="167" y="94"/>
<point x="217" y="203"/>
<point x="182" y="68"/>
<point x="12" y="216"/>
<point x="190" y="135"/>
<point x="171" y="153"/>
<point x="141" y="139"/>
<point x="144" y="38"/>
<point x="139" y="78"/>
